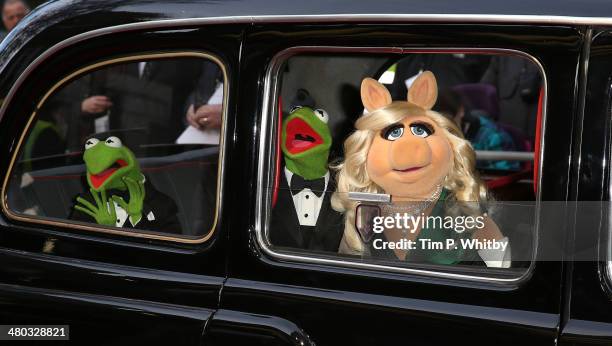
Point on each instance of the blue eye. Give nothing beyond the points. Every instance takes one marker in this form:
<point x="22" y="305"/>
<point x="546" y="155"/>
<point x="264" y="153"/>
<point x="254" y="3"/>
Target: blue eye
<point x="421" y="130"/>
<point x="393" y="132"/>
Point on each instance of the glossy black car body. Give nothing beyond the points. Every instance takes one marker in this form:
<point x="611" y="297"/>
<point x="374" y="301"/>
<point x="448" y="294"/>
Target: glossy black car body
<point x="114" y="290"/>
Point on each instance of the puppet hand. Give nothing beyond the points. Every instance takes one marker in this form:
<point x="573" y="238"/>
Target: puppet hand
<point x="103" y="212"/>
<point x="134" y="206"/>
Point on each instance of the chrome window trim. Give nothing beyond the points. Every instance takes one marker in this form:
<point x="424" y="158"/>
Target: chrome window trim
<point x="91" y="226"/>
<point x="607" y="277"/>
<point x="608" y="261"/>
<point x="265" y="161"/>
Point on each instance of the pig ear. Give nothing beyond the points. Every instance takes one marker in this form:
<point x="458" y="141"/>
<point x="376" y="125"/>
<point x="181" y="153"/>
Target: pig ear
<point x="424" y="90"/>
<point x="374" y="95"/>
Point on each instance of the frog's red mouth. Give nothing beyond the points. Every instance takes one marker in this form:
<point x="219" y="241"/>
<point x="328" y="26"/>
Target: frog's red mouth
<point x="300" y="136"/>
<point x="98" y="179"/>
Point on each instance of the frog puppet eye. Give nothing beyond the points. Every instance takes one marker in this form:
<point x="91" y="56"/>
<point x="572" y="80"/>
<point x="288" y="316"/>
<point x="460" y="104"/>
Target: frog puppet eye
<point x="393" y="132"/>
<point x="421" y="129"/>
<point x="91" y="142"/>
<point x="322" y="114"/>
<point x="294" y="108"/>
<point x="113" y="142"/>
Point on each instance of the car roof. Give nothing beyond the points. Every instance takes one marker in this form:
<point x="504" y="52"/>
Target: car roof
<point x="62" y="19"/>
<point x="117" y="12"/>
<point x="209" y="8"/>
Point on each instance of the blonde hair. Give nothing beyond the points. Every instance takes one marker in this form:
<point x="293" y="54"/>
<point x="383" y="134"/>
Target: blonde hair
<point x="462" y="180"/>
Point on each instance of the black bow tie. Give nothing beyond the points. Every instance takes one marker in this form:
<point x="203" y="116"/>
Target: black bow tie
<point x="298" y="184"/>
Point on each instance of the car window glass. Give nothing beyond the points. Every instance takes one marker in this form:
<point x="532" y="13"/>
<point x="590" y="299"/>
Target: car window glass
<point x="130" y="145"/>
<point x="407" y="159"/>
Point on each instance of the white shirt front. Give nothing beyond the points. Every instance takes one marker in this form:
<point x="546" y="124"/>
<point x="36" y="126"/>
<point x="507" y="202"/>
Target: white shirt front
<point x="122" y="215"/>
<point x="307" y="205"/>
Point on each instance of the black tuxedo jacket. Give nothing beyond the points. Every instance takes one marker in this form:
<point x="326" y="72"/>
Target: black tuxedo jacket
<point x="285" y="229"/>
<point x="163" y="207"/>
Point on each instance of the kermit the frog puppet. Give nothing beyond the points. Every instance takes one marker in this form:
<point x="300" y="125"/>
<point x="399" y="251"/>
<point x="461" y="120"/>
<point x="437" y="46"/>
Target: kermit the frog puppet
<point x="302" y="216"/>
<point x="119" y="194"/>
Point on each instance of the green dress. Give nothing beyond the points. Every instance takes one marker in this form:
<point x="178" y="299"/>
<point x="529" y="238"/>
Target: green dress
<point x="421" y="254"/>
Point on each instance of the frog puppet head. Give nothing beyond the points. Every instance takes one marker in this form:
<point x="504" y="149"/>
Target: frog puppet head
<point x="108" y="162"/>
<point x="111" y="166"/>
<point x="305" y="142"/>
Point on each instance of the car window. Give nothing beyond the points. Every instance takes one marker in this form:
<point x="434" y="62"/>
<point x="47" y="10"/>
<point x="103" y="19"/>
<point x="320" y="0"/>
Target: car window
<point x="406" y="159"/>
<point x="130" y="146"/>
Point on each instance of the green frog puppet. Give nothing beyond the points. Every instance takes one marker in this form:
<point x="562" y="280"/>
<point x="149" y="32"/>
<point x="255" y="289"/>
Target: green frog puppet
<point x="119" y="194"/>
<point x="302" y="216"/>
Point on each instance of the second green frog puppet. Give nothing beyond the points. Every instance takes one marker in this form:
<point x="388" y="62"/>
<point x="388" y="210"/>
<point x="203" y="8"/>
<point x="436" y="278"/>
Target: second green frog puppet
<point x="302" y="216"/>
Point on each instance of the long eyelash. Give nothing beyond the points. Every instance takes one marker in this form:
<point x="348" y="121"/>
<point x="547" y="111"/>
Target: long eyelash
<point x="384" y="131"/>
<point x="427" y="125"/>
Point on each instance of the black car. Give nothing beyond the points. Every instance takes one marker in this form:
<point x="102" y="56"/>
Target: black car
<point x="188" y="106"/>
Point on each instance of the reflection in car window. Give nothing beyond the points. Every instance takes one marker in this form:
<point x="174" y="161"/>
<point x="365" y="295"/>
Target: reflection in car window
<point x="407" y="159"/>
<point x="132" y="145"/>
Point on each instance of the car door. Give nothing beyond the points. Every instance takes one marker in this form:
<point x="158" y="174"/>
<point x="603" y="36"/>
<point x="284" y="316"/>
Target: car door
<point x="587" y="318"/>
<point x="338" y="303"/>
<point x="112" y="285"/>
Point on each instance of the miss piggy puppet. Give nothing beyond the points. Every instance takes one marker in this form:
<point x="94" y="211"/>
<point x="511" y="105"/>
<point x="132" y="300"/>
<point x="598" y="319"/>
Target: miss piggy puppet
<point x="422" y="161"/>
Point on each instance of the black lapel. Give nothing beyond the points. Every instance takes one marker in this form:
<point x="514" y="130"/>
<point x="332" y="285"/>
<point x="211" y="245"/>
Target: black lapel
<point x="284" y="223"/>
<point x="330" y="225"/>
<point x="326" y="214"/>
